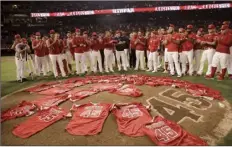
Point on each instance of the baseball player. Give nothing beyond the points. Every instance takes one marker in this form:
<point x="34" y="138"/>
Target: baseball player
<point x="46" y="54"/>
<point x="198" y="48"/>
<point x="54" y="53"/>
<point x="230" y="57"/>
<point x="67" y="50"/>
<point x="87" y="53"/>
<point x="153" y="45"/>
<point x="96" y="56"/>
<point x="221" y="56"/>
<point x="132" y="50"/>
<point x="209" y="49"/>
<point x="120" y="53"/>
<point x="140" y="43"/>
<point x="37" y="46"/>
<point x="187" y="50"/>
<point x="126" y="48"/>
<point x="172" y="42"/>
<point x="108" y="51"/>
<point x="21" y="50"/>
<point x="79" y="43"/>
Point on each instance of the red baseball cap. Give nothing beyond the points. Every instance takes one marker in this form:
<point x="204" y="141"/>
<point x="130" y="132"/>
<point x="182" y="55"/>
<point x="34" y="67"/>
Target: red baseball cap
<point x="52" y="32"/>
<point x="224" y="27"/>
<point x="37" y="34"/>
<point x="17" y="36"/>
<point x="24" y="40"/>
<point x="211" y="26"/>
<point x="94" y="34"/>
<point x="118" y="31"/>
<point x="201" y="29"/>
<point x="77" y="30"/>
<point x="226" y="22"/>
<point x="181" y="30"/>
<point x="171" y="25"/>
<point x="189" y="26"/>
<point x="85" y="32"/>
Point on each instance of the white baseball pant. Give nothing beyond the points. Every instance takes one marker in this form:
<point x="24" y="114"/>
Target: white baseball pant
<point x="166" y="57"/>
<point x="57" y="58"/>
<point x="187" y="57"/>
<point x="108" y="59"/>
<point x="96" y="58"/>
<point x="173" y="57"/>
<point x="152" y="58"/>
<point x="20" y="67"/>
<point x="197" y="57"/>
<point x="79" y="63"/>
<point x="30" y="63"/>
<point x="47" y="63"/>
<point x="40" y="65"/>
<point x="148" y="63"/>
<point x="206" y="55"/>
<point x="139" y="60"/>
<point x="87" y="60"/>
<point x="127" y="57"/>
<point x="229" y="68"/>
<point x="69" y="57"/>
<point x="159" y="61"/>
<point x="122" y="55"/>
<point x="220" y="59"/>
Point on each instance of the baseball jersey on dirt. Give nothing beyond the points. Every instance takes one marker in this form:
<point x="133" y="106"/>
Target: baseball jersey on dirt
<point x="50" y="101"/>
<point x="88" y="119"/>
<point x="54" y="91"/>
<point x="131" y="118"/>
<point x="77" y="94"/>
<point x="40" y="121"/>
<point x="128" y="90"/>
<point x="166" y="133"/>
<point x="106" y="86"/>
<point x="23" y="109"/>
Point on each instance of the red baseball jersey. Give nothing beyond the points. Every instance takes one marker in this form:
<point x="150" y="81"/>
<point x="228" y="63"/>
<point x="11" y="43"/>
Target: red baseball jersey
<point x="153" y="43"/>
<point x="88" y="45"/>
<point x="50" y="101"/>
<point x="198" y="45"/>
<point x="40" y="121"/>
<point x="210" y="38"/>
<point x="167" y="133"/>
<point x="131" y="118"/>
<point x="40" y="52"/>
<point x="41" y="87"/>
<point x="107" y="43"/>
<point x="55" y="48"/>
<point x="139" y="46"/>
<point x="172" y="47"/>
<point x="54" y="91"/>
<point x="77" y="94"/>
<point x="45" y="48"/>
<point x="106" y="86"/>
<point x="95" y="45"/>
<point x="88" y="119"/>
<point x="224" y="43"/>
<point x="23" y="109"/>
<point x="80" y="44"/>
<point x="187" y="45"/>
<point x="128" y="90"/>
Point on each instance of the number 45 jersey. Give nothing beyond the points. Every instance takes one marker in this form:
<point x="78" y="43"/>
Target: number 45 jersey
<point x="88" y="119"/>
<point x="131" y="118"/>
<point x="40" y="121"/>
<point x="166" y="133"/>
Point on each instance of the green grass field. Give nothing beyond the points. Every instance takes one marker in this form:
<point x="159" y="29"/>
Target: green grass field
<point x="9" y="84"/>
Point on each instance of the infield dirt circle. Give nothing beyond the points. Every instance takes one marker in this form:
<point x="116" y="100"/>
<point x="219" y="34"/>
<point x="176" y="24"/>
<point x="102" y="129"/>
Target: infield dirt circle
<point x="207" y="118"/>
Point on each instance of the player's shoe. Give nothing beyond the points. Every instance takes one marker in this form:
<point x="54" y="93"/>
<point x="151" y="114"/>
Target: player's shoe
<point x="165" y="71"/>
<point x="208" y="77"/>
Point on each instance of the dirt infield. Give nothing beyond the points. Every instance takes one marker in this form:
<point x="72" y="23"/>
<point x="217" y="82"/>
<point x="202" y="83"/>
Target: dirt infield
<point x="209" y="119"/>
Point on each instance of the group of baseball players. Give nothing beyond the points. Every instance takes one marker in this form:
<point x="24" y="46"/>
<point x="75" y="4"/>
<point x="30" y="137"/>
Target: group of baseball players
<point x="181" y="53"/>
